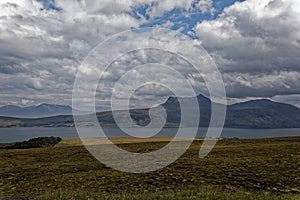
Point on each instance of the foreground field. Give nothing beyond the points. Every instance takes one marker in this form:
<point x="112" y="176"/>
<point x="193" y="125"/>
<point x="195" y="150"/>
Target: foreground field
<point x="235" y="169"/>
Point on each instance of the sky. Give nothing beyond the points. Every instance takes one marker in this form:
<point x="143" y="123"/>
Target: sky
<point x="254" y="43"/>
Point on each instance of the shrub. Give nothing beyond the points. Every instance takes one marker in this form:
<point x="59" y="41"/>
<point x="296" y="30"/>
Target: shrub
<point x="39" y="142"/>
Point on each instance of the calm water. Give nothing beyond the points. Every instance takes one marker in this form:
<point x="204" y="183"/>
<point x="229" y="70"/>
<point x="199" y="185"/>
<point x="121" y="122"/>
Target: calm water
<point x="20" y="134"/>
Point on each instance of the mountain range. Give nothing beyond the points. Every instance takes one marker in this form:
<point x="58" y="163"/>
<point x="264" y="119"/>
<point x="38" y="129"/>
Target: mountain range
<point x="42" y="110"/>
<point x="261" y="113"/>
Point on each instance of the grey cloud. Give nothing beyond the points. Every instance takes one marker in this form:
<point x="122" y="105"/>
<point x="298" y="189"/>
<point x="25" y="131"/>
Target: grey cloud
<point x="43" y="48"/>
<point x="255" y="46"/>
<point x="11" y="69"/>
<point x="241" y="85"/>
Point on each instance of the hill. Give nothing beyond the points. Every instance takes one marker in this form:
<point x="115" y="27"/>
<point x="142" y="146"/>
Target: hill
<point x="263" y="114"/>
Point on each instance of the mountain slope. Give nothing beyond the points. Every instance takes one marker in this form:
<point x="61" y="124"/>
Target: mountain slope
<point x="263" y="114"/>
<point x="173" y="109"/>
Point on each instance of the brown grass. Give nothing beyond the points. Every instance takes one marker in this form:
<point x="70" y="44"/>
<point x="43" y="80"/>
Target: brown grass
<point x="241" y="168"/>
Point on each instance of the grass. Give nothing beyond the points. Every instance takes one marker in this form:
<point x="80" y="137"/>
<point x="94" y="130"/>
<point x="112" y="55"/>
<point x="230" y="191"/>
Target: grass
<point x="204" y="194"/>
<point x="117" y="140"/>
<point x="235" y="169"/>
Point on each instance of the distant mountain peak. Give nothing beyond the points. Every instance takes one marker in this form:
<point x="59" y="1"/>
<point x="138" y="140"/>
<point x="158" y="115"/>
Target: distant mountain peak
<point x="171" y="99"/>
<point x="10" y="106"/>
<point x="256" y="103"/>
<point x="202" y="98"/>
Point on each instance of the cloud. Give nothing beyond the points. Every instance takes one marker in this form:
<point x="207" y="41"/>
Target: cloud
<point x="123" y="57"/>
<point x="256" y="45"/>
<point x="205" y="6"/>
<point x="42" y="43"/>
<point x="262" y="85"/>
<point x="160" y="7"/>
<point x="40" y="49"/>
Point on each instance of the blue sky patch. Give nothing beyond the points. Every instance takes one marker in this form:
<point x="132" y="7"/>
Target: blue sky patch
<point x="182" y="19"/>
<point x="49" y="5"/>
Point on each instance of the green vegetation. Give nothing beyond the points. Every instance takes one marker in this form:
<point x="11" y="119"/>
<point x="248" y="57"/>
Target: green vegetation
<point x="34" y="143"/>
<point x="235" y="169"/>
<point x="208" y="193"/>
